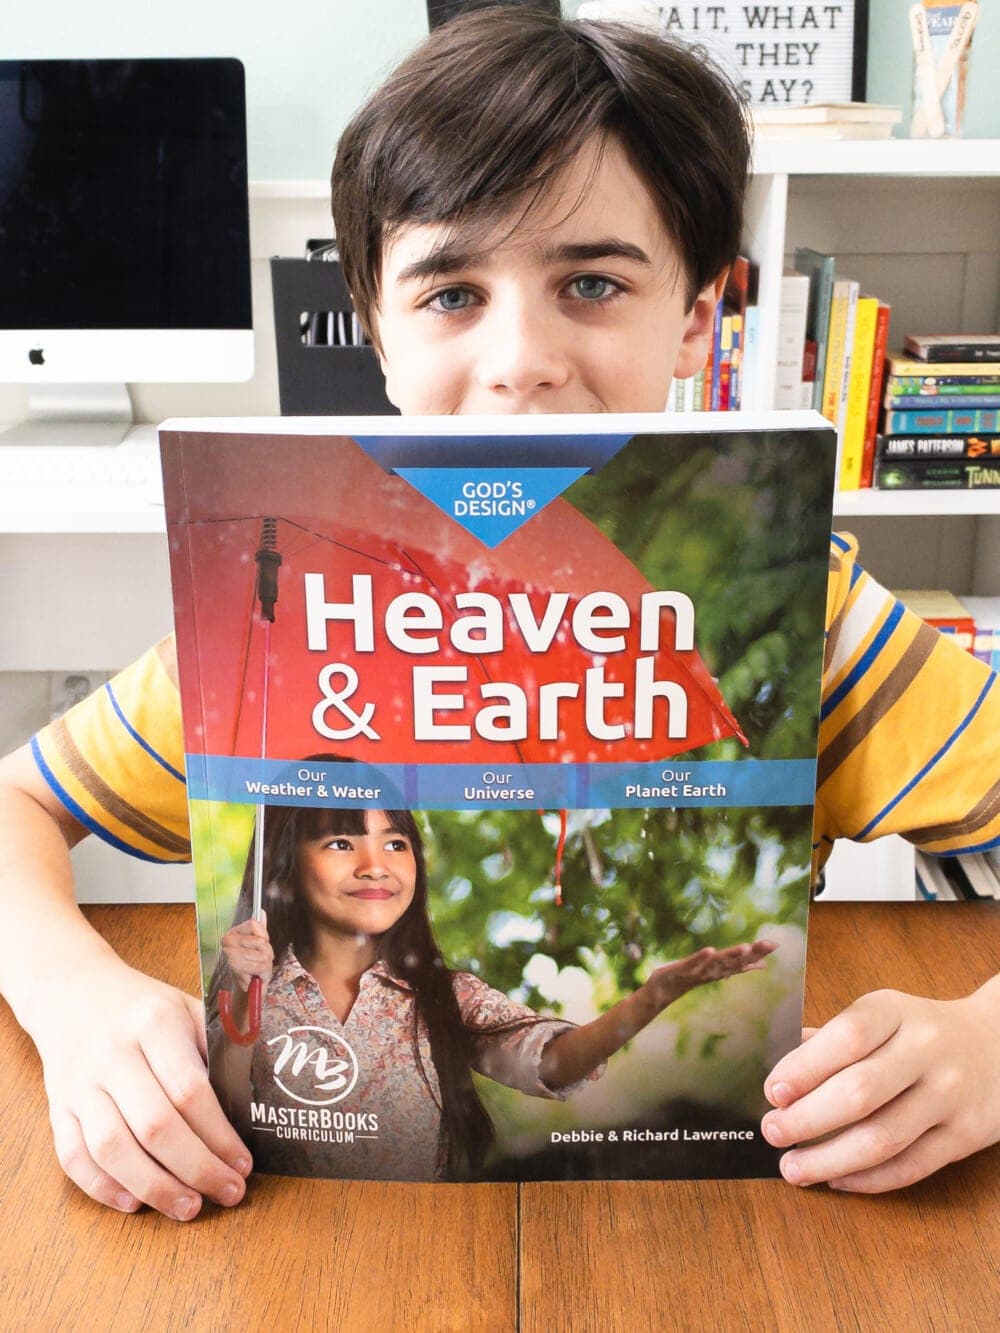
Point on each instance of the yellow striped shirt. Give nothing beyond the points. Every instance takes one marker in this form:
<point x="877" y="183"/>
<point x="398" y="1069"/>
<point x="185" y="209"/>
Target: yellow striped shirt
<point x="909" y="737"/>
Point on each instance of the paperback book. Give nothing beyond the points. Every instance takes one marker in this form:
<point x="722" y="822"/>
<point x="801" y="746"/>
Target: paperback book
<point x="919" y="474"/>
<point x="501" y="741"/>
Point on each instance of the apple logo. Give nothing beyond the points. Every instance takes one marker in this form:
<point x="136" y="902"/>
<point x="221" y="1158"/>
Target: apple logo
<point x="36" y="356"/>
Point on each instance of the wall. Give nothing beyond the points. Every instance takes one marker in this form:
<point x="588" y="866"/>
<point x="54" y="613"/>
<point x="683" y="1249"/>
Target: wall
<point x="309" y="64"/>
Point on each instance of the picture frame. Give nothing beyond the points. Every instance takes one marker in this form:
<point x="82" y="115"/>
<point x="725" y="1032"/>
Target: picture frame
<point x="779" y="55"/>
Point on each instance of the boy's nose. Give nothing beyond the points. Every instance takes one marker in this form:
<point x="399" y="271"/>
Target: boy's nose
<point x="522" y="354"/>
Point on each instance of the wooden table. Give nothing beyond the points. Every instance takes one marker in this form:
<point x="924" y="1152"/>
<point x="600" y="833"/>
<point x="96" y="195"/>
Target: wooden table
<point x="592" y="1256"/>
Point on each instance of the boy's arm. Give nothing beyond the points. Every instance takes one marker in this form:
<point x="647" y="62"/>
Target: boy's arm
<point x="133" y="1116"/>
<point x="903" y="1086"/>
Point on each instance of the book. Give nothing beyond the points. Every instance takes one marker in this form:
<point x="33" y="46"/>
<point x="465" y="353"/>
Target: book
<point x="791" y="341"/>
<point x="942" y="347"/>
<point x="941" y="421"/>
<point x="859" y="385"/>
<point x="845" y="295"/>
<point x="930" y="386"/>
<point x="875" y="392"/>
<point x="985" y="611"/>
<point x="819" y="269"/>
<point x="485" y="698"/>
<point x="919" y="402"/>
<point x="917" y="474"/>
<point x="823" y="113"/>
<point x="939" y="446"/>
<point x="971" y="371"/>
<point x="826" y="120"/>
<point x="941" y="608"/>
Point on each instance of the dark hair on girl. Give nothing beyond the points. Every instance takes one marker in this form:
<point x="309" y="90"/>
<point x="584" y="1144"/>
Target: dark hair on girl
<point x="408" y="949"/>
<point x="486" y="111"/>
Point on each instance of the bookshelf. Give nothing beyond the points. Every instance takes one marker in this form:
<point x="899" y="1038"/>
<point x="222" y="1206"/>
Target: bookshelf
<point x="917" y="222"/>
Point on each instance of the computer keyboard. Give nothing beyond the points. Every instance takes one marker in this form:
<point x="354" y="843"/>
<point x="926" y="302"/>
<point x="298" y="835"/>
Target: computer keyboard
<point x="84" y="488"/>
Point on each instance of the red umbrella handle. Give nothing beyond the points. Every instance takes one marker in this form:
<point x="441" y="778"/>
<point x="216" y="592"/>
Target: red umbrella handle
<point x="226" y="1015"/>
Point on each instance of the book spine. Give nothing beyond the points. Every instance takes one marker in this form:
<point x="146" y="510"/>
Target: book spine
<point x="856" y="414"/>
<point x="940" y="423"/>
<point x="736" y="366"/>
<point x="834" y="365"/>
<point x="939" y="446"/>
<point x="820" y="270"/>
<point x="930" y="386"/>
<point x="984" y="353"/>
<point x="748" y="361"/>
<point x="715" y="386"/>
<point x="725" y="363"/>
<point x="899" y="365"/>
<point x="964" y="474"/>
<point x="791" y="341"/>
<point x="875" y="391"/>
<point x="910" y="402"/>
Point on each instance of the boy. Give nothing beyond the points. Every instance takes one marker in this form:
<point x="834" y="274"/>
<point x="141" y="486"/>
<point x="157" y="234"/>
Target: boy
<point x="533" y="216"/>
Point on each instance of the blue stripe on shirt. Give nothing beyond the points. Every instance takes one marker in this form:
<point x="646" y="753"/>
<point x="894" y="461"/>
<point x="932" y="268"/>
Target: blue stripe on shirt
<point x="930" y="764"/>
<point x="139" y="740"/>
<point x="874" y="648"/>
<point x="81" y="815"/>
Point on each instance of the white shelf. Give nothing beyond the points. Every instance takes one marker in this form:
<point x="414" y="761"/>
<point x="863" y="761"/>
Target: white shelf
<point x="878" y="157"/>
<point x="890" y="504"/>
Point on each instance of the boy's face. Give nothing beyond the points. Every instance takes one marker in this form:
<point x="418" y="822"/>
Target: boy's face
<point x="579" y="308"/>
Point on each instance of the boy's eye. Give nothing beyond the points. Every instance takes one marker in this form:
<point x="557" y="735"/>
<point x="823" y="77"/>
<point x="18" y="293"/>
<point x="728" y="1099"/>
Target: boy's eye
<point x="451" y="299"/>
<point x="592" y="287"/>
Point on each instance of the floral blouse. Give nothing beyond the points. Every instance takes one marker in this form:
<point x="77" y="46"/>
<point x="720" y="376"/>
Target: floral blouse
<point x="361" y="1099"/>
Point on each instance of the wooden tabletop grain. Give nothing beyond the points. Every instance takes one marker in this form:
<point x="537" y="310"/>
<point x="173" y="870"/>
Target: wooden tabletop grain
<point x="541" y="1257"/>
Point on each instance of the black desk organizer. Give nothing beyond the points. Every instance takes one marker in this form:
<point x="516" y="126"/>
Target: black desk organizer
<point x="320" y="380"/>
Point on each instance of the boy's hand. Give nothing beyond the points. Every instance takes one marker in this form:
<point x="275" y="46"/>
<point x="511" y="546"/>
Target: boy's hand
<point x="248" y="952"/>
<point x="670" y="982"/>
<point x="902" y="1085"/>
<point x="133" y="1115"/>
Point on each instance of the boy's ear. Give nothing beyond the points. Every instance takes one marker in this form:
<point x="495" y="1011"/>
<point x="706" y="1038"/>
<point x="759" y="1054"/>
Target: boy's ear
<point x="700" y="320"/>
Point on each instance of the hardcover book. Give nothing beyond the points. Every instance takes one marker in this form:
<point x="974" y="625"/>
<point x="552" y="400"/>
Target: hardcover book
<point x="500" y="739"/>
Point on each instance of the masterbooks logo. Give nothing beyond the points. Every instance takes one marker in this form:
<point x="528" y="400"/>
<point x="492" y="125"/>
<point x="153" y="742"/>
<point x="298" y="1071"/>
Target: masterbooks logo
<point x="491" y="503"/>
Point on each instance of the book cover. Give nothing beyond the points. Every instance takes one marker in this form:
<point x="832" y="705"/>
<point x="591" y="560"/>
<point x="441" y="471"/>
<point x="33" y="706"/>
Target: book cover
<point x="856" y="415"/>
<point x="819" y="269"/>
<point x="941" y="421"/>
<point x="919" y="402"/>
<point x="492" y="730"/>
<point x="985" y="611"/>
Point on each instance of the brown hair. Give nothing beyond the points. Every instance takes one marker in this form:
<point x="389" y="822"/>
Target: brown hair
<point x="486" y="111"/>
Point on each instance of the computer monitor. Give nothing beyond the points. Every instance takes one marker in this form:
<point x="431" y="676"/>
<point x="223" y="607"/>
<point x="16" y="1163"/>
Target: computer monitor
<point x="124" y="235"/>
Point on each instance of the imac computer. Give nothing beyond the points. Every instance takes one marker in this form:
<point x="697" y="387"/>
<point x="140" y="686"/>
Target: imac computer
<point x="124" y="236"/>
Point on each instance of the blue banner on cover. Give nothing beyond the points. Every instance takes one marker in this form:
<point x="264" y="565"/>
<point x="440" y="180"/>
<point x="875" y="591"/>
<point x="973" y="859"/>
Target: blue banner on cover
<point x="744" y="782"/>
<point x="309" y="782"/>
<point x="491" y="502"/>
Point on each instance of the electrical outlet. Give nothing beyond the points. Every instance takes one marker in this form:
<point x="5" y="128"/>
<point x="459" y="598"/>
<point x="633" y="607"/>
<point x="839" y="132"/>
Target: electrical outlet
<point x="67" y="688"/>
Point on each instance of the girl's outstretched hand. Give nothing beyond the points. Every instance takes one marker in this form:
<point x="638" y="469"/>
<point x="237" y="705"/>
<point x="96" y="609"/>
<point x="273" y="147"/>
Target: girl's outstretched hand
<point x="248" y="952"/>
<point x="670" y="982"/>
<point x="896" y="1086"/>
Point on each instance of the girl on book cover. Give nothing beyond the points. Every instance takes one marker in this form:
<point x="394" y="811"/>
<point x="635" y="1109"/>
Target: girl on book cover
<point x="363" y="1063"/>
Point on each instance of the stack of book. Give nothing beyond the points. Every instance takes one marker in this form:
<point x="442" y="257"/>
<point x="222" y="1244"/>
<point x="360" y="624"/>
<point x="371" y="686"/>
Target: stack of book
<point x="941" y="419"/>
<point x="971" y="877"/>
<point x="826" y="120"/>
<point x="832" y="343"/>
<point x="975" y="621"/>
<point x="727" y="382"/>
